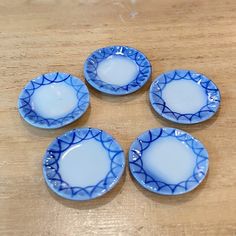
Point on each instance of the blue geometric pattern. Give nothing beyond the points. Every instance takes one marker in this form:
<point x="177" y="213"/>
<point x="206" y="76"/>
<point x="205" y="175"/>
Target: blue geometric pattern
<point x="92" y="62"/>
<point x="206" y="112"/>
<point x="24" y="102"/>
<point x="51" y="168"/>
<point x="152" y="183"/>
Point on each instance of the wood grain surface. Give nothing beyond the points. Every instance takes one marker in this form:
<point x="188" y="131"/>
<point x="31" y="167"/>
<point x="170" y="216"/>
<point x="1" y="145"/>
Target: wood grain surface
<point x="39" y="36"/>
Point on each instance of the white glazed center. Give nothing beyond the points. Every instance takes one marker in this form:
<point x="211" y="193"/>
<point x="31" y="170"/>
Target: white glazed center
<point x="170" y="160"/>
<point x="117" y="70"/>
<point x="84" y="164"/>
<point x="184" y="96"/>
<point x="54" y="100"/>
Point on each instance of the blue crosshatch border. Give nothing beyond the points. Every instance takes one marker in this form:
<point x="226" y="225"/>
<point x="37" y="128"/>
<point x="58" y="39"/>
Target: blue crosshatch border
<point x="35" y="119"/>
<point x="92" y="62"/>
<point x="51" y="168"/>
<point x="152" y="183"/>
<point x="213" y="97"/>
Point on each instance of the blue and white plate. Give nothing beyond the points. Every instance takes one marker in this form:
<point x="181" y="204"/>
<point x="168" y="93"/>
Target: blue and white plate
<point x="117" y="70"/>
<point x="184" y="96"/>
<point x="83" y="164"/>
<point x="168" y="161"/>
<point x="53" y="100"/>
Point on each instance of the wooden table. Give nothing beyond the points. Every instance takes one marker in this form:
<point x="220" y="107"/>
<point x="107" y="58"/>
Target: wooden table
<point x="38" y="36"/>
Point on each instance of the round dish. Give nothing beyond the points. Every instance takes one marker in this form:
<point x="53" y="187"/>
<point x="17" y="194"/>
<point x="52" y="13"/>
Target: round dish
<point x="83" y="164"/>
<point x="53" y="100"/>
<point x="168" y="161"/>
<point x="117" y="70"/>
<point x="184" y="96"/>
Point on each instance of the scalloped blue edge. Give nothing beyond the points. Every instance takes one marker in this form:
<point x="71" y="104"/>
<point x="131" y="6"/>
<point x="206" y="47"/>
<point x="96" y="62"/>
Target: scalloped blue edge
<point x="51" y="171"/>
<point x="36" y="120"/>
<point x="205" y="113"/>
<point x="149" y="182"/>
<point x="91" y="64"/>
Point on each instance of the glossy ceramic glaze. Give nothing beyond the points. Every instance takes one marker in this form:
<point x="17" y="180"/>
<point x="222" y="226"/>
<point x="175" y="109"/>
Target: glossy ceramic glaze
<point x="117" y="70"/>
<point x="168" y="161"/>
<point x="83" y="164"/>
<point x="53" y="100"/>
<point x="184" y="96"/>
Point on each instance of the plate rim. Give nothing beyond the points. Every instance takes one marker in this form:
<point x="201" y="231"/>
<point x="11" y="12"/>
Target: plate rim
<point x="115" y="181"/>
<point x="171" y="191"/>
<point x="57" y="124"/>
<point x="119" y="91"/>
<point x="189" y="121"/>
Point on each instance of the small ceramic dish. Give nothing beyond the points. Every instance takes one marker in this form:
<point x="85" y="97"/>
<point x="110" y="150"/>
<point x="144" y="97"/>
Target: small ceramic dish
<point x="83" y="164"/>
<point x="117" y="70"/>
<point x="53" y="100"/>
<point x="184" y="96"/>
<point x="168" y="161"/>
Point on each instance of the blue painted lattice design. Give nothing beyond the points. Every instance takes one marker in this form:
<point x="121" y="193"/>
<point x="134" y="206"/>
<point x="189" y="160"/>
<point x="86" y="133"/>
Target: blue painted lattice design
<point x="92" y="62"/>
<point x="154" y="183"/>
<point x="31" y="116"/>
<point x="51" y="168"/>
<point x="206" y="112"/>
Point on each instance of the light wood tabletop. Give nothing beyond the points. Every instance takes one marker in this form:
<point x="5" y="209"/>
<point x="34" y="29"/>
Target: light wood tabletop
<point x="40" y="36"/>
